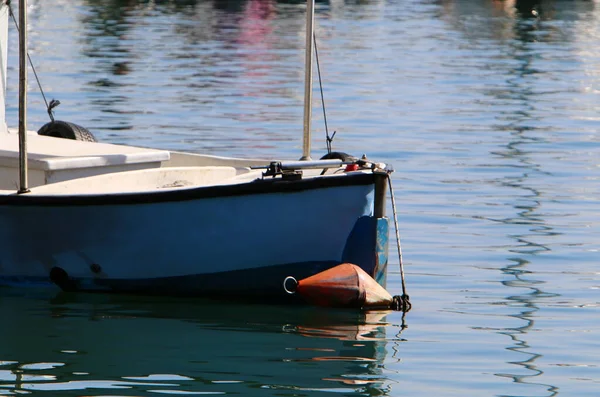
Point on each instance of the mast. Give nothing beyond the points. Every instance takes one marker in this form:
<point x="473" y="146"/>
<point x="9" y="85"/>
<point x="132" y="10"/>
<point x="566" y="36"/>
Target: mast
<point x="308" y="58"/>
<point x="23" y="97"/>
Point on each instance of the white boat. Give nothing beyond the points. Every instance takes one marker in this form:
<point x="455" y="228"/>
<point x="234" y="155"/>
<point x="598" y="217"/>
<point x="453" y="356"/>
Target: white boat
<point x="91" y="216"/>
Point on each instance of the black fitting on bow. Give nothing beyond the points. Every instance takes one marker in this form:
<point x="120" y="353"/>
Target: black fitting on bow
<point x="53" y="103"/>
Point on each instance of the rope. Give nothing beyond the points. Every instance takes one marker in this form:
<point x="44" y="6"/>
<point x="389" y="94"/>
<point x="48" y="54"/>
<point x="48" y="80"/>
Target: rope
<point x="401" y="302"/>
<point x="53" y="103"/>
<point x="327" y="137"/>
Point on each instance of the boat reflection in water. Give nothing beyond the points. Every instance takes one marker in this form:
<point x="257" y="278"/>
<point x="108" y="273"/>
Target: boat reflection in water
<point x="148" y="345"/>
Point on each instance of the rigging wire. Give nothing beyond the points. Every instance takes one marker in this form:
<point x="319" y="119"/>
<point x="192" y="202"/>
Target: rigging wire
<point x="327" y="137"/>
<point x="54" y="102"/>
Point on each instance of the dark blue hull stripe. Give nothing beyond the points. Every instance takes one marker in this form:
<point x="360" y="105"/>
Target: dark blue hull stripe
<point x="367" y="247"/>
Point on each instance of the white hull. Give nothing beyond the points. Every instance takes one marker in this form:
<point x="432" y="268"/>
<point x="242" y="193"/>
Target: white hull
<point x="99" y="217"/>
<point x="241" y="238"/>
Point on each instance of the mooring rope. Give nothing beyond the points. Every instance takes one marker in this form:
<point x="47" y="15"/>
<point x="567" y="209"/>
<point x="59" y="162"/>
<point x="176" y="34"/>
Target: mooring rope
<point x="401" y="302"/>
<point x="53" y="103"/>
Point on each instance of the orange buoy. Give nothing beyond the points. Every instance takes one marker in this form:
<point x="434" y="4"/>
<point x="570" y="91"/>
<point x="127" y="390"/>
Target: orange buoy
<point x="345" y="285"/>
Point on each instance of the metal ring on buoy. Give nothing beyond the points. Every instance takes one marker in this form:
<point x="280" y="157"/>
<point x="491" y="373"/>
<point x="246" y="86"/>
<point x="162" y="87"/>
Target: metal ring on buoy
<point x="294" y="286"/>
<point x="289" y="328"/>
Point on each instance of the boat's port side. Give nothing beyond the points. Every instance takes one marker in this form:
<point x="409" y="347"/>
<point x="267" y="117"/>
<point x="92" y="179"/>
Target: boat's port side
<point x="254" y="282"/>
<point x="140" y="242"/>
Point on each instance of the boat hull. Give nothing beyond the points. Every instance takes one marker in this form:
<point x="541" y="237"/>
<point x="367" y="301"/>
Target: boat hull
<point x="226" y="240"/>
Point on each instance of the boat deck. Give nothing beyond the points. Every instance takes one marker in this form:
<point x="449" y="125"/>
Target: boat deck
<point x="59" y="166"/>
<point x="52" y="160"/>
<point x="55" y="154"/>
<point x="148" y="180"/>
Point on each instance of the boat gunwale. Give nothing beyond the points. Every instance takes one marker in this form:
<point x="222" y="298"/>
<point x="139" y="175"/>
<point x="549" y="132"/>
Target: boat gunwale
<point x="257" y="186"/>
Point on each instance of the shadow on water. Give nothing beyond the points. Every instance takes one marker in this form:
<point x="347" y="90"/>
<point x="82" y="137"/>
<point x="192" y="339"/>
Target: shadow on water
<point x="71" y="342"/>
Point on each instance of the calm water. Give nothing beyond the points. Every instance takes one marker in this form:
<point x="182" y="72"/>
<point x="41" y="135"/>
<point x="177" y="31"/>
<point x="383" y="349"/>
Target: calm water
<point x="490" y="112"/>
